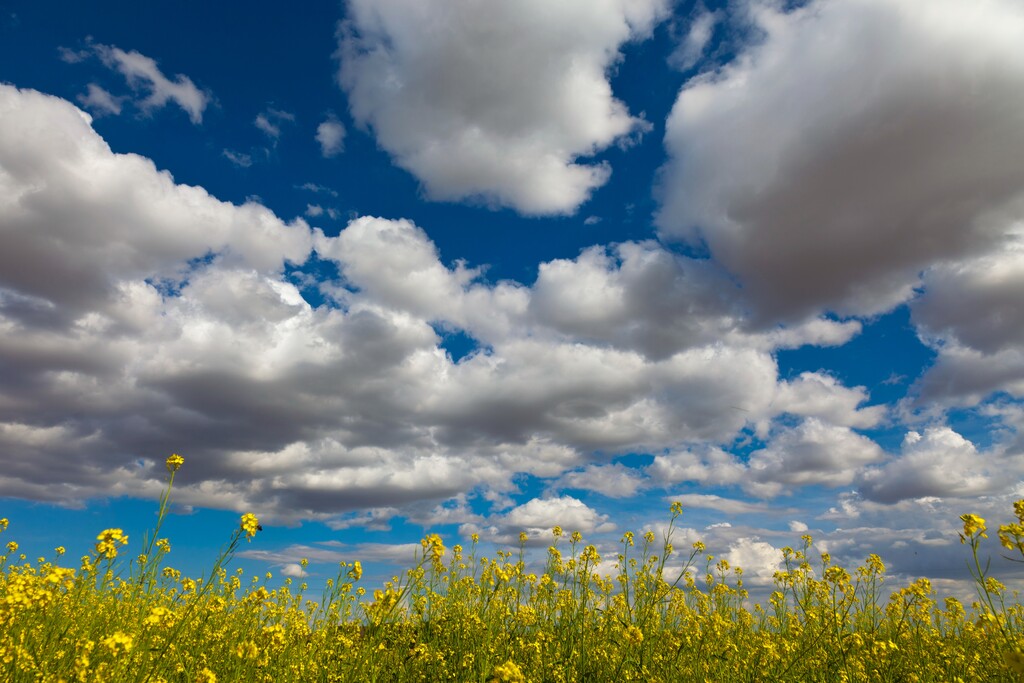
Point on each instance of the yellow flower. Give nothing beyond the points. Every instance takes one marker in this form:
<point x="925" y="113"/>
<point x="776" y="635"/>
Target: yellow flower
<point x="1014" y="659"/>
<point x="109" y="541"/>
<point x="677" y="508"/>
<point x="973" y="524"/>
<point x="160" y="616"/>
<point x="250" y="525"/>
<point x="523" y="537"/>
<point x="59" y="550"/>
<point x="12" y="546"/>
<point x="174" y="462"/>
<point x="633" y="635"/>
<point x="3" y="524"/>
<point x="557" y="532"/>
<point x="434" y="545"/>
<point x="509" y="672"/>
<point x="356" y="572"/>
<point x="206" y="676"/>
<point x="247" y="650"/>
<point x="118" y="643"/>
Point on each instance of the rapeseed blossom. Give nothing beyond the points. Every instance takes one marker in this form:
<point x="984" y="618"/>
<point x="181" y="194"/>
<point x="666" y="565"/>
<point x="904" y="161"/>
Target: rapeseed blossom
<point x="174" y="462"/>
<point x="250" y="525"/>
<point x="502" y="619"/>
<point x="108" y="542"/>
<point x="118" y="643"/>
<point x="973" y="524"/>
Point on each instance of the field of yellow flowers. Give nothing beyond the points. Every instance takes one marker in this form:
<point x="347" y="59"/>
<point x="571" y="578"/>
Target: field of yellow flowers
<point x="455" y="616"/>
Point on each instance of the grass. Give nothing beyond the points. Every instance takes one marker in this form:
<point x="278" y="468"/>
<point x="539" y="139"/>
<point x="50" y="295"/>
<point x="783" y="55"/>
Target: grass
<point x="456" y="616"/>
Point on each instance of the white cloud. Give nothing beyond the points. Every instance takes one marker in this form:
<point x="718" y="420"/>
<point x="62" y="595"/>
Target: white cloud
<point x="314" y="210"/>
<point x="827" y="175"/>
<point x="813" y="394"/>
<point x="270" y="120"/>
<point x="314" y="187"/>
<point x="970" y="313"/>
<point x="639" y="296"/>
<point x="69" y="56"/>
<point x="758" y="559"/>
<point x="731" y="506"/>
<point x="939" y="463"/>
<point x="614" y="481"/>
<point x="705" y="465"/>
<point x="160" y="319"/>
<point x="812" y="453"/>
<point x="101" y="101"/>
<point x="238" y="158"/>
<point x="331" y="136"/>
<point x="494" y="101"/>
<point x="293" y="570"/>
<point x="142" y="72"/>
<point x="537" y="517"/>
<point x="691" y="48"/>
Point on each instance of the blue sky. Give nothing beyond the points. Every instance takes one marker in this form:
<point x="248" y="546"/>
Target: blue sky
<point x="390" y="267"/>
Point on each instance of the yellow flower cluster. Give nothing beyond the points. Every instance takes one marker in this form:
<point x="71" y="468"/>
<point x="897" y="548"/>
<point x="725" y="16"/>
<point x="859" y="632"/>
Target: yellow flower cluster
<point x="174" y="462"/>
<point x="109" y="541"/>
<point x="250" y="525"/>
<point x="660" y="615"/>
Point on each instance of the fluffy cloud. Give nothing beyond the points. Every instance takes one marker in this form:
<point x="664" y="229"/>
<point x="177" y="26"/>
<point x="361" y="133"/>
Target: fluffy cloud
<point x="331" y="136"/>
<point x="940" y="463"/>
<point x="494" y="101"/>
<point x="79" y="220"/>
<point x="614" y="481"/>
<point x="537" y="517"/>
<point x="812" y="453"/>
<point x="970" y="313"/>
<point x="139" y="317"/>
<point x="758" y="559"/>
<point x="142" y="73"/>
<point x="640" y="296"/>
<point x="826" y="175"/>
<point x="813" y="394"/>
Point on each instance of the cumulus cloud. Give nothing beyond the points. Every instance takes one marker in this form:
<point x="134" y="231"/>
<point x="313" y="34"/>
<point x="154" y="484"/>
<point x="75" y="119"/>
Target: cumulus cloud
<point x="142" y="73"/>
<point x="814" y="394"/>
<point x="640" y="296"/>
<point x="811" y="453"/>
<point x="331" y="136"/>
<point x="293" y="570"/>
<point x="970" y="313"/>
<point x="939" y="463"/>
<point x="614" y="481"/>
<point x="139" y="316"/>
<point x="537" y="517"/>
<point x="758" y="559"/>
<point x="493" y="101"/>
<point x="825" y="175"/>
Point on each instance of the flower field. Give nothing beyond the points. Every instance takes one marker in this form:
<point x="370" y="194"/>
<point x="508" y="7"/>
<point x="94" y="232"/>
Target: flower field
<point x="457" y="616"/>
